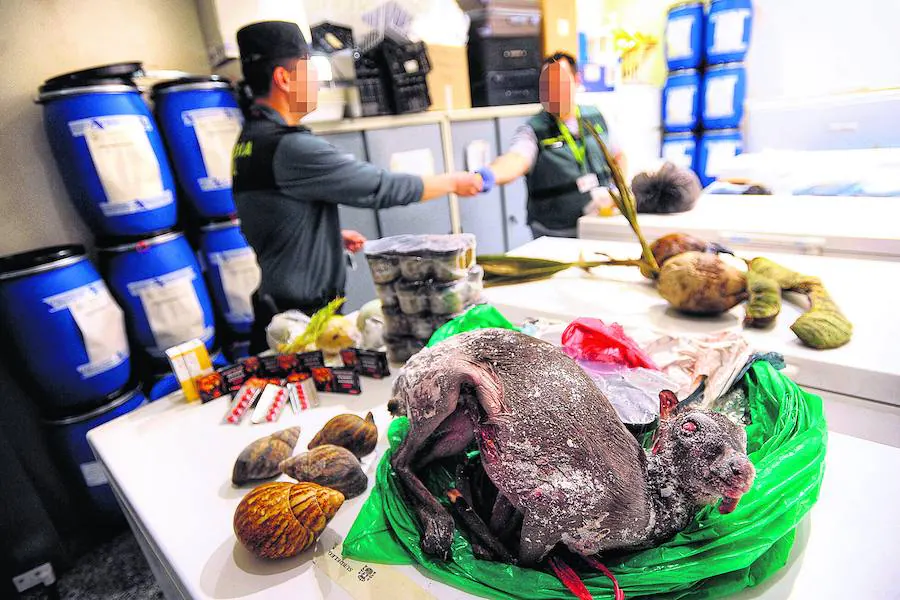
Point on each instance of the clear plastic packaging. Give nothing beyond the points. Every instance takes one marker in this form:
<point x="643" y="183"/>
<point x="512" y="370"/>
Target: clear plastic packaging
<point x="421" y="257"/>
<point x="395" y="323"/>
<point x="387" y="294"/>
<point x="475" y="284"/>
<point x="412" y="297"/>
<point x="385" y="268"/>
<point x="447" y="298"/>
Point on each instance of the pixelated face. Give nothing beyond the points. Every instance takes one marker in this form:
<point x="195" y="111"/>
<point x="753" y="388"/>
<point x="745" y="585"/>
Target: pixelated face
<point x="558" y="86"/>
<point x="301" y="84"/>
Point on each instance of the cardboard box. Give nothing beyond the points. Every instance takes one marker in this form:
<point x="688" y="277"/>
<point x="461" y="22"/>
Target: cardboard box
<point x="448" y="81"/>
<point x="559" y="27"/>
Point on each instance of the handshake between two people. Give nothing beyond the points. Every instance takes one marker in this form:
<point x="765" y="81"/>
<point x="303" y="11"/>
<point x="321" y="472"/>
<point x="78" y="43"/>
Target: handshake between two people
<point x="467" y="184"/>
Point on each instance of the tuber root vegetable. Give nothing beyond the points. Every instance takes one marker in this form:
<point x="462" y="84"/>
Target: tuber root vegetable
<point x="764" y="300"/>
<point x="700" y="283"/>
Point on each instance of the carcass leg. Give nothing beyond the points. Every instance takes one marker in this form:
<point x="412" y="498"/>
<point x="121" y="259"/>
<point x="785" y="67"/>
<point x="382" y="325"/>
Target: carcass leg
<point x="502" y="516"/>
<point x="437" y="524"/>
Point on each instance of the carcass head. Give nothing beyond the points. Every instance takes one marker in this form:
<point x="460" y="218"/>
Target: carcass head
<point x="707" y="453"/>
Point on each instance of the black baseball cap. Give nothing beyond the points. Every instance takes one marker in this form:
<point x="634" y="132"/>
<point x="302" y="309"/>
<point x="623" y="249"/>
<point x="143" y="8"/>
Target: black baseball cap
<point x="271" y="40"/>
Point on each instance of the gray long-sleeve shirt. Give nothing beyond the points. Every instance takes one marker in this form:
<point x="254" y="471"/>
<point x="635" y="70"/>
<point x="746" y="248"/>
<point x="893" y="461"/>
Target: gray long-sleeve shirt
<point x="287" y="186"/>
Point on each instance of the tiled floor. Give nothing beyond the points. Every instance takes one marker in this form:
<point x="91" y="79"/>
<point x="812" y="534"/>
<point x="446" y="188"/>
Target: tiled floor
<point x="115" y="570"/>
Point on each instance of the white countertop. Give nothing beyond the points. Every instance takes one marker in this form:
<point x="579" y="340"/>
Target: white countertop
<point x="171" y="465"/>
<point x="868" y="367"/>
<point x="852" y="226"/>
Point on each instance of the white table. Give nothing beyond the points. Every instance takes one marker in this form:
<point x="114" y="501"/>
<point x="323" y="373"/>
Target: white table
<point x="170" y="465"/>
<point x="861" y="227"/>
<point x="867" y="368"/>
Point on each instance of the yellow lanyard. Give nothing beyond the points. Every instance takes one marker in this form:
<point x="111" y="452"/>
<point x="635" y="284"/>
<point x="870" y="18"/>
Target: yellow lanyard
<point x="578" y="152"/>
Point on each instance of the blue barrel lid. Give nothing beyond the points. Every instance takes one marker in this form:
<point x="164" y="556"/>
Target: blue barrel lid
<point x="39" y="260"/>
<point x="129" y="243"/>
<point x="731" y="131"/>
<point x="222" y="223"/>
<point x="193" y="82"/>
<point x="729" y="65"/>
<point x="682" y="72"/>
<point x="112" y="405"/>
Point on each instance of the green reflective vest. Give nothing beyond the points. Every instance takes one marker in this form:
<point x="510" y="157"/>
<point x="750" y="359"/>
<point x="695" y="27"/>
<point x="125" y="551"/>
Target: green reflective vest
<point x="553" y="197"/>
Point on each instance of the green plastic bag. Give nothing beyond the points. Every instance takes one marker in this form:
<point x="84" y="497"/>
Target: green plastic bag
<point x="483" y="316"/>
<point x="714" y="556"/>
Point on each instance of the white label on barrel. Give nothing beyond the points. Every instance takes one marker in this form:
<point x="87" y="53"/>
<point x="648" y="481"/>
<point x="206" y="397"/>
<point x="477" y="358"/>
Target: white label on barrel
<point x="241" y="276"/>
<point x="718" y="155"/>
<point x="680" y="105"/>
<point x="217" y="129"/>
<point x="93" y="474"/>
<point x="677" y="153"/>
<point x="101" y="323"/>
<point x="728" y="30"/>
<point x="172" y="307"/>
<point x="126" y="164"/>
<point x="719" y="101"/>
<point x="678" y="37"/>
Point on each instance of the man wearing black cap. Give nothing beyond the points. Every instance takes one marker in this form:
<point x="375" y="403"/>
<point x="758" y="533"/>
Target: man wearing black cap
<point x="288" y="182"/>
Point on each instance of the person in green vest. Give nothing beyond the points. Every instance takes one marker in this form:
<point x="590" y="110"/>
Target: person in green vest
<point x="563" y="166"/>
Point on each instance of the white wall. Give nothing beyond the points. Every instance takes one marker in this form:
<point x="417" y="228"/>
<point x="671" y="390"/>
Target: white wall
<point x="812" y="48"/>
<point x="42" y="38"/>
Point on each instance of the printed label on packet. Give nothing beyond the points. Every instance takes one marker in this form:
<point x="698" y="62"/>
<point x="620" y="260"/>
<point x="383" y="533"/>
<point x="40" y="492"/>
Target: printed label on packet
<point x="346" y="381"/>
<point x="311" y="360"/>
<point x="210" y="386"/>
<point x="233" y="377"/>
<point x="279" y="365"/>
<point x="367" y="581"/>
<point x="369" y="363"/>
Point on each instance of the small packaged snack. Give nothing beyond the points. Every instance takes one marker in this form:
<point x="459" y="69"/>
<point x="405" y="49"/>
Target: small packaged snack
<point x="346" y="381"/>
<point x="323" y="378"/>
<point x="252" y="366"/>
<point x="233" y="376"/>
<point x="311" y="360"/>
<point x="279" y="365"/>
<point x="211" y="386"/>
<point x="369" y="363"/>
<point x="412" y="297"/>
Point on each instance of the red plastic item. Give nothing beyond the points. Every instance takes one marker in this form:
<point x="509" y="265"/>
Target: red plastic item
<point x="594" y="340"/>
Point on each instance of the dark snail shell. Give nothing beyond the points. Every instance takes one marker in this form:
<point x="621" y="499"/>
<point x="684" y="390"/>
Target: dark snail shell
<point x="328" y="465"/>
<point x="261" y="458"/>
<point x="357" y="435"/>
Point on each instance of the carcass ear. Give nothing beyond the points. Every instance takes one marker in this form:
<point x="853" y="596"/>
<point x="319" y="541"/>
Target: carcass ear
<point x="668" y="402"/>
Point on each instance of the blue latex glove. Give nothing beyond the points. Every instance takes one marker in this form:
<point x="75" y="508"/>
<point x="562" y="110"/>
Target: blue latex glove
<point x="489" y="180"/>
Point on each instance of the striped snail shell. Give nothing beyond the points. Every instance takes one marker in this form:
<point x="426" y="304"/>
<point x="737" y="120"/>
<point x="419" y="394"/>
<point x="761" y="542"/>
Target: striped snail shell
<point x="280" y="519"/>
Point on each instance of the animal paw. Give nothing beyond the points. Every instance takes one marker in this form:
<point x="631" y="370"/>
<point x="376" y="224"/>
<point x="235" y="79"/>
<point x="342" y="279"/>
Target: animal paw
<point x="438" y="536"/>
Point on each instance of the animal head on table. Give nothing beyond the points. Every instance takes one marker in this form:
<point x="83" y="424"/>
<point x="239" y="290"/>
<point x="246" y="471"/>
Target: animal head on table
<point x="705" y="452"/>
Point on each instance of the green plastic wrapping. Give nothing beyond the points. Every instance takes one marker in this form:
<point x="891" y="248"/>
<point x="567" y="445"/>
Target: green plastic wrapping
<point x="716" y="555"/>
<point x="483" y="316"/>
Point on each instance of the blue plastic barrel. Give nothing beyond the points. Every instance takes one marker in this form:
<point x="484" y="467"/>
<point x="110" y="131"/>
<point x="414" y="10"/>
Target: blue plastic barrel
<point x="684" y="36"/>
<point x="67" y="330"/>
<point x="715" y="148"/>
<point x="200" y="121"/>
<point x="680" y="149"/>
<point x="68" y="438"/>
<point x="728" y="28"/>
<point x="110" y="155"/>
<point x="681" y="101"/>
<point x="724" y="91"/>
<point x="158" y="283"/>
<point x="232" y="272"/>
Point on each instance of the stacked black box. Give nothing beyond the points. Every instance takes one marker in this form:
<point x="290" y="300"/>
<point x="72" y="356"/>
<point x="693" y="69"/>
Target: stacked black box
<point x="391" y="79"/>
<point x="504" y="51"/>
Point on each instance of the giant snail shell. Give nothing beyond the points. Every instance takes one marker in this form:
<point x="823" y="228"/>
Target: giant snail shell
<point x="357" y="435"/>
<point x="260" y="459"/>
<point x="280" y="519"/>
<point x="329" y="465"/>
